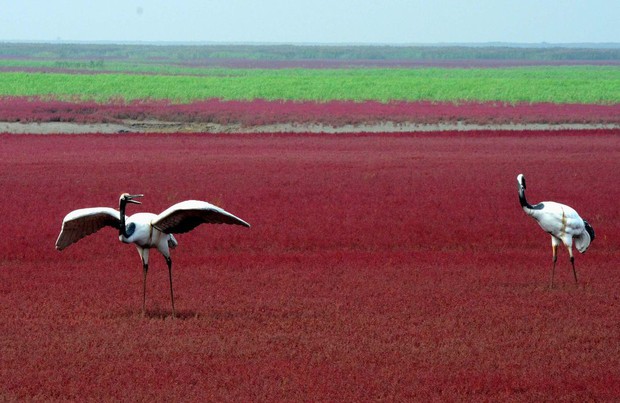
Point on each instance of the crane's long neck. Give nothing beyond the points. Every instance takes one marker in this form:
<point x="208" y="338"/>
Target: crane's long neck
<point x="122" y="230"/>
<point x="522" y="198"/>
<point x="527" y="207"/>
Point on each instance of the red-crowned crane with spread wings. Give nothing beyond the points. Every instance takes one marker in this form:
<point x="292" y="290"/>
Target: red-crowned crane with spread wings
<point x="145" y="230"/>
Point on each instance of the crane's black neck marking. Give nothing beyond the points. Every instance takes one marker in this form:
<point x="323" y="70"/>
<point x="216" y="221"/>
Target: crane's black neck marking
<point x="122" y="231"/>
<point x="525" y="204"/>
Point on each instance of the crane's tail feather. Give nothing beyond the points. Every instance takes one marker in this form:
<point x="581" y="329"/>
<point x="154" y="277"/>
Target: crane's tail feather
<point x="583" y="241"/>
<point x="589" y="230"/>
<point x="172" y="242"/>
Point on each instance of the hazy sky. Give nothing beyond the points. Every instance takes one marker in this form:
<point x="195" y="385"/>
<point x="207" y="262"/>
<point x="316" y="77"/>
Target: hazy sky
<point x="312" y="21"/>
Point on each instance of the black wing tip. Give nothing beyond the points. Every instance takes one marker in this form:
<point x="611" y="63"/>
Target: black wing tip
<point x="590" y="230"/>
<point x="239" y="221"/>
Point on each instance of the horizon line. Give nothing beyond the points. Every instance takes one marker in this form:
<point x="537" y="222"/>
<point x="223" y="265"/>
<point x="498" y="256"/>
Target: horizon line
<point x="543" y="44"/>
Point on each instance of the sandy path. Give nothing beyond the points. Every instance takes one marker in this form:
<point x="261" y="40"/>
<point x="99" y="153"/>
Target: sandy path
<point x="174" y="127"/>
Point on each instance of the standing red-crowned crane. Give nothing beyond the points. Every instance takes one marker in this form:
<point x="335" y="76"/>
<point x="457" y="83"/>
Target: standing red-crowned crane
<point x="145" y="230"/>
<point x="561" y="222"/>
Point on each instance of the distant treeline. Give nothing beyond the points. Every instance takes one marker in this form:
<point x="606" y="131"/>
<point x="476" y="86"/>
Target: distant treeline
<point x="181" y="53"/>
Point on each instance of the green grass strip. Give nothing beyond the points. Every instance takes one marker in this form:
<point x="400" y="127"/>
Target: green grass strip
<point x="582" y="84"/>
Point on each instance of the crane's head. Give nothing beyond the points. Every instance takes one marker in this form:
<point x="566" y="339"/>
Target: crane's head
<point x="521" y="189"/>
<point x="521" y="181"/>
<point x="127" y="198"/>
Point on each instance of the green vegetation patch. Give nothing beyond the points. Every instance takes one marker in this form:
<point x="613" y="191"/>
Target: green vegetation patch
<point x="565" y="84"/>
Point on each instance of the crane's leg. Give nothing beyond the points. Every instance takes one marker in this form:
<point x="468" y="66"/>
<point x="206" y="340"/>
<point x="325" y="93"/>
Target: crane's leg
<point x="554" y="248"/>
<point x="169" y="262"/>
<point x="144" y="254"/>
<point x="572" y="262"/>
<point x="145" y="269"/>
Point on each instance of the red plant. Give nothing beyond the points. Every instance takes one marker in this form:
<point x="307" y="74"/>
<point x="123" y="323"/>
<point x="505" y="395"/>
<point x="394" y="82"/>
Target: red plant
<point x="336" y="113"/>
<point x="395" y="267"/>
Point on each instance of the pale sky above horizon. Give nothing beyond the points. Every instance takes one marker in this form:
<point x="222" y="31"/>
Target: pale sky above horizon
<point x="316" y="21"/>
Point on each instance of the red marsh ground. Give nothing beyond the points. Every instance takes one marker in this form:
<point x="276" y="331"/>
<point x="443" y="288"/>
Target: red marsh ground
<point x="395" y="267"/>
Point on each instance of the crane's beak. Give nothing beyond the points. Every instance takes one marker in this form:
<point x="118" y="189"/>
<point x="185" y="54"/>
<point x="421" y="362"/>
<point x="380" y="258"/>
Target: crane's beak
<point x="131" y="197"/>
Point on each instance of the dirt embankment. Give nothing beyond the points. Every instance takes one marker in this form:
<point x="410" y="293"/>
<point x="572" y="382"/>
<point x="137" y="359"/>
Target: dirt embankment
<point x="178" y="127"/>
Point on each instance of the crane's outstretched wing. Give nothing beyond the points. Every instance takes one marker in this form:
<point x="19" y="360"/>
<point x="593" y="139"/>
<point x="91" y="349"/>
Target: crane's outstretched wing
<point x="187" y="215"/>
<point x="80" y="223"/>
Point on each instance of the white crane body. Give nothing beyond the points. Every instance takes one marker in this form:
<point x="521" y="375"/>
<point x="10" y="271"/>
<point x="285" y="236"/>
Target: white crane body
<point x="563" y="223"/>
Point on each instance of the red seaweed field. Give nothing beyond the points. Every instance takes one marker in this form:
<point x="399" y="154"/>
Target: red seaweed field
<point x="336" y="113"/>
<point x="378" y="267"/>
